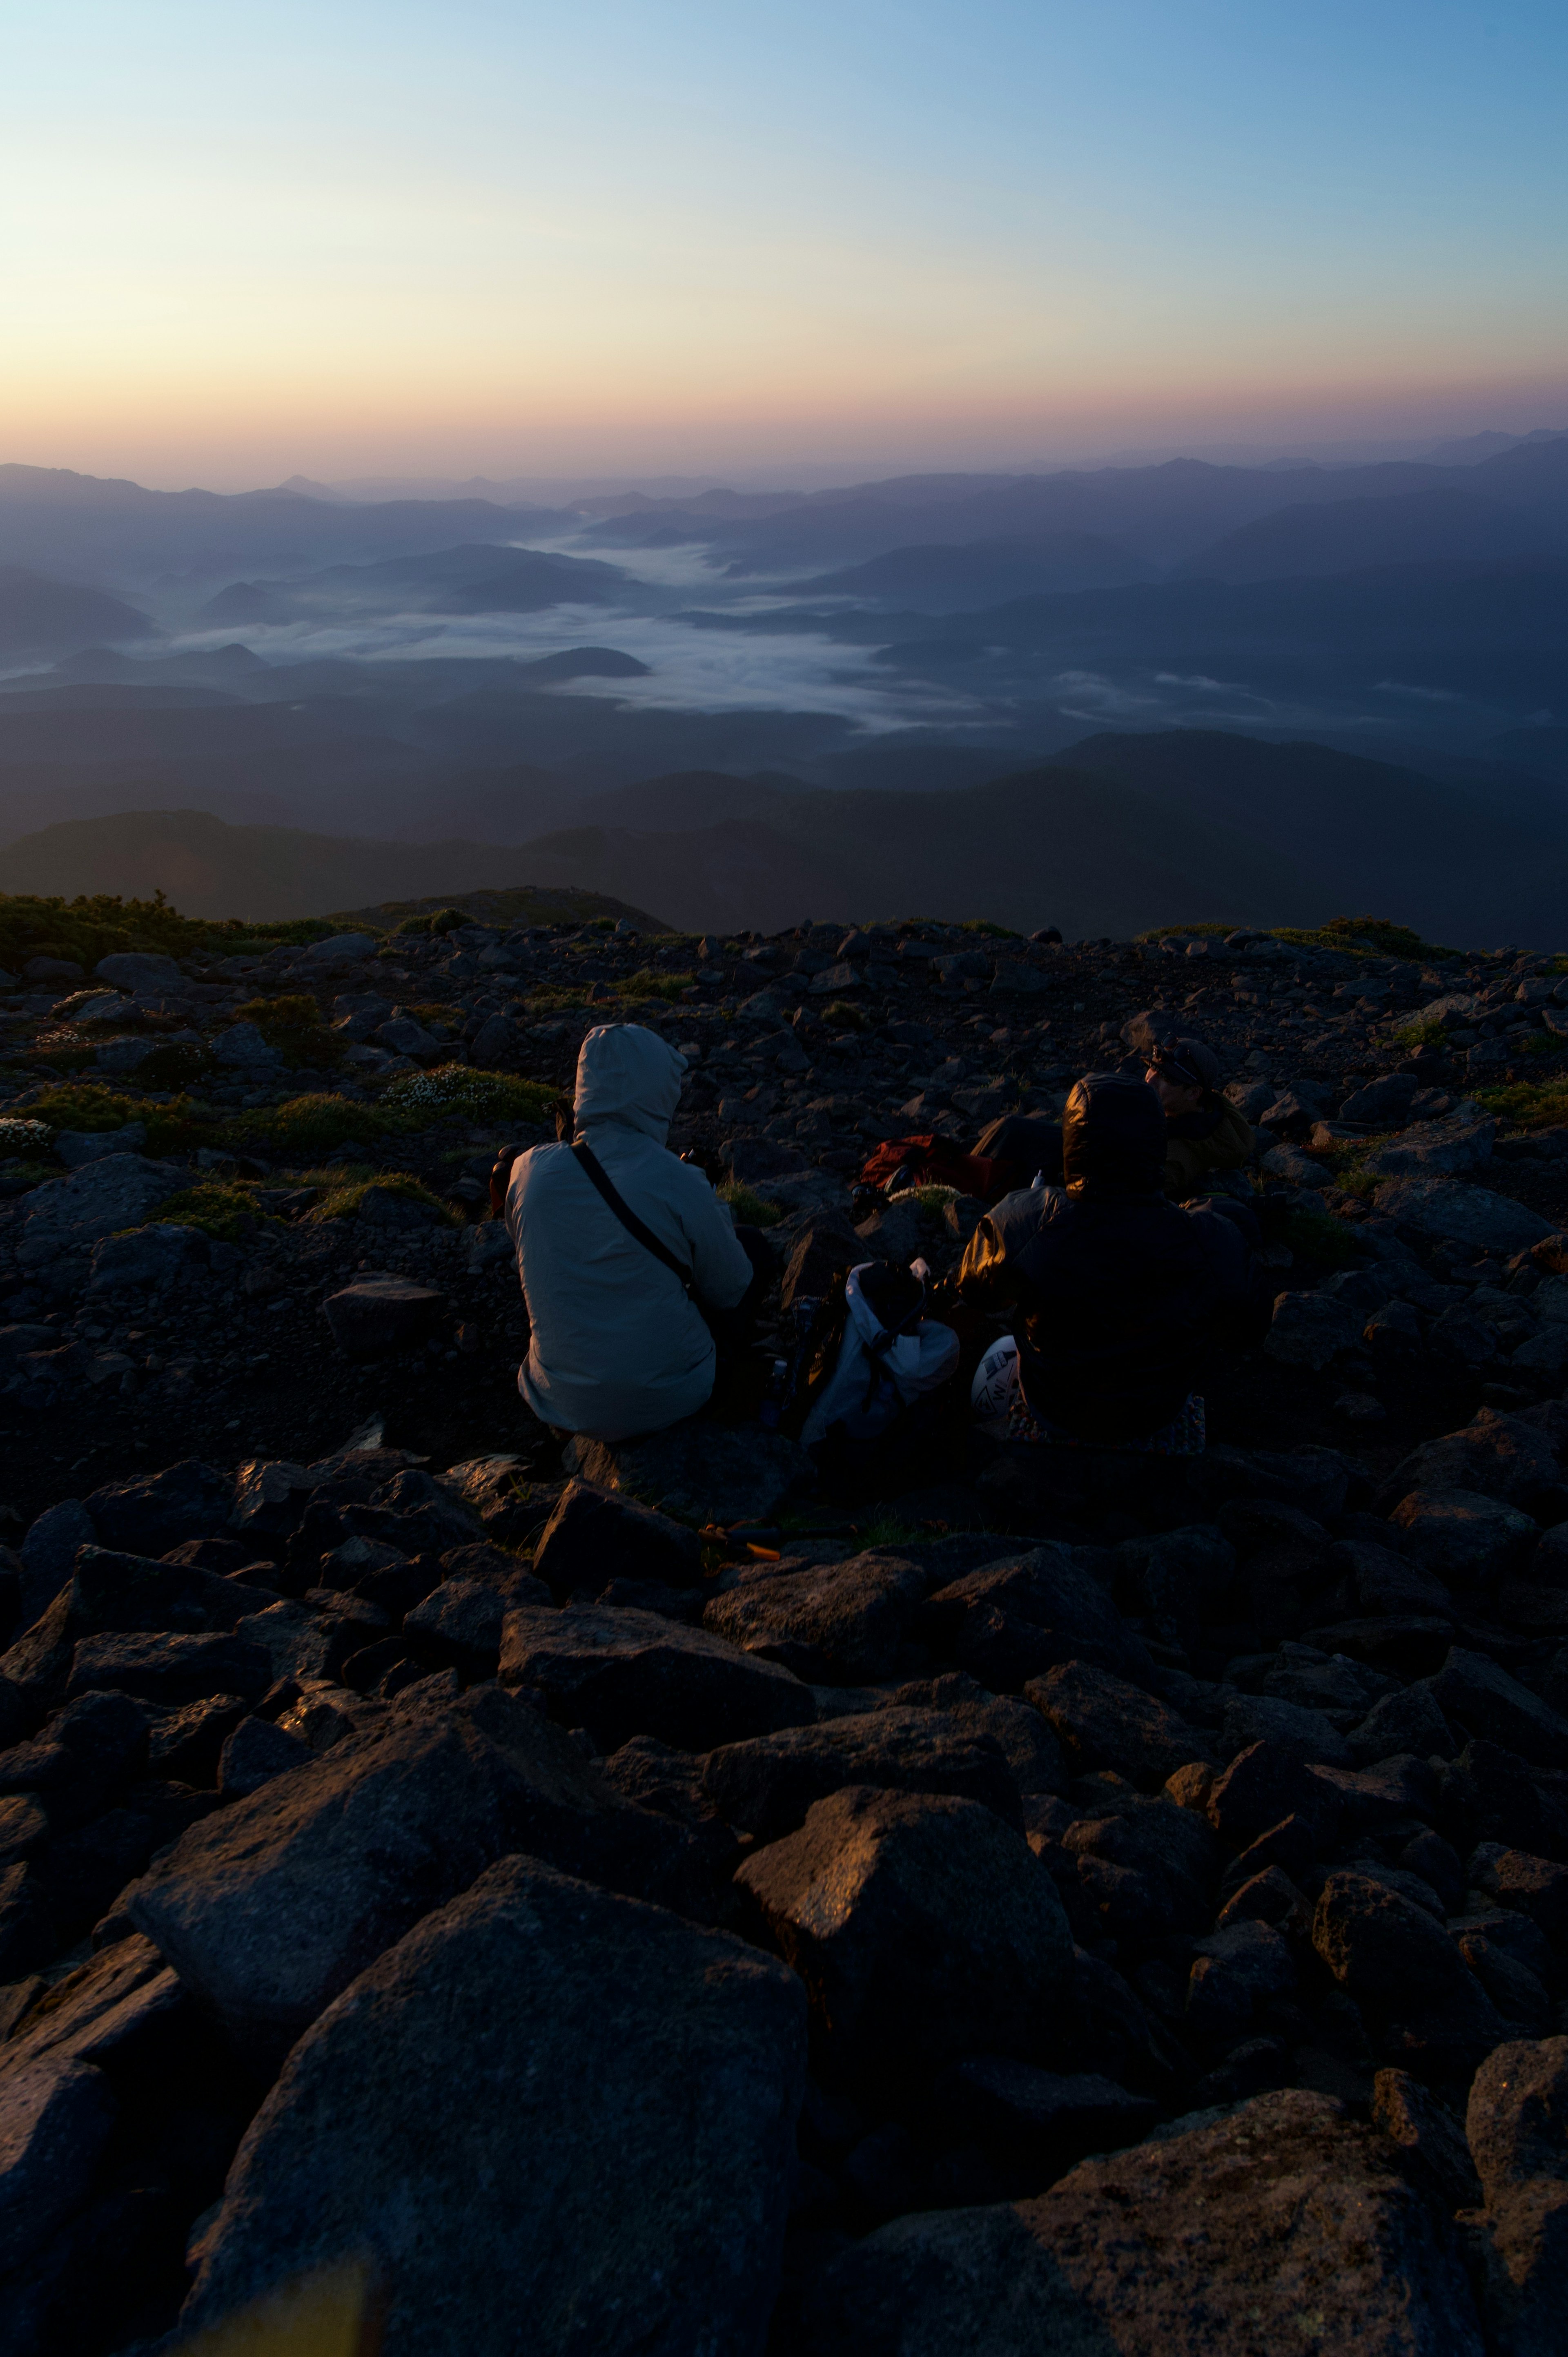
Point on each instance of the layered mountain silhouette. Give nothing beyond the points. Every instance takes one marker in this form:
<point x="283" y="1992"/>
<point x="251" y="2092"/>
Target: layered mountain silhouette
<point x="1118" y="833"/>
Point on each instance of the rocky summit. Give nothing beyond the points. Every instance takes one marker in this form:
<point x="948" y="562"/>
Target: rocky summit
<point x="704" y="1896"/>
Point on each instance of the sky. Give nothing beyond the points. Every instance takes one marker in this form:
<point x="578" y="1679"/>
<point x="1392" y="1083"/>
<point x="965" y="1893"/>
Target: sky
<point x="633" y="236"/>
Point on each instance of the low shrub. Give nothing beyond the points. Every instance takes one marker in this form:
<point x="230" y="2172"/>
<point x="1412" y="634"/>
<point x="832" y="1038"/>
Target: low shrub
<point x="847" y="1017"/>
<point x="172" y="1128"/>
<point x="307" y="1126"/>
<point x="416" y="1100"/>
<point x="752" y="1210"/>
<point x="1528" y="1104"/>
<point x="21" y="1135"/>
<point x="222" y="1208"/>
<point x="343" y="1201"/>
<point x="1419" y="1035"/>
<point x="93" y="926"/>
<point x="293" y="1026"/>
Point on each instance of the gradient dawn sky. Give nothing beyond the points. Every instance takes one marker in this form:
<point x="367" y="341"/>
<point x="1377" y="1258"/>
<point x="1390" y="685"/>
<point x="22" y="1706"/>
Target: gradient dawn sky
<point x="629" y="235"/>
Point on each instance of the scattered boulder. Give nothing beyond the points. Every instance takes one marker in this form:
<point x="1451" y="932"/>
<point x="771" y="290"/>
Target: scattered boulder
<point x="271" y="1908"/>
<point x="1449" y="1209"/>
<point x="1279" y="2224"/>
<point x="1011" y="1620"/>
<point x="377" y="1314"/>
<point x="1463" y="1537"/>
<point x="479" y="2090"/>
<point x="595" y="1536"/>
<point x="1101" y="1721"/>
<point x="767" y="1785"/>
<point x="1515" y="2124"/>
<point x="835" y="1624"/>
<point x="699" y="1473"/>
<point x="923" y="1928"/>
<point x="621" y="1673"/>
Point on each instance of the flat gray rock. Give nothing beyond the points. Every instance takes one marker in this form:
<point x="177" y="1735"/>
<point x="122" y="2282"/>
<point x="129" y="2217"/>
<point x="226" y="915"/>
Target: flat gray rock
<point x="620" y="1672"/>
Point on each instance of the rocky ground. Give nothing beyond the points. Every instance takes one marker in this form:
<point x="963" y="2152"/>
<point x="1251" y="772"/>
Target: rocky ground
<point x="700" y="1898"/>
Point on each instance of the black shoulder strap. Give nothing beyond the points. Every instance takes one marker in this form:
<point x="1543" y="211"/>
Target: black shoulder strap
<point x="594" y="1169"/>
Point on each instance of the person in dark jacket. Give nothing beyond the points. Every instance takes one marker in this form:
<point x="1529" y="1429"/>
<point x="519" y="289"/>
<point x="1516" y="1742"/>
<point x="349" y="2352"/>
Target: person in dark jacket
<point x="1204" y="1132"/>
<point x="1118" y="1291"/>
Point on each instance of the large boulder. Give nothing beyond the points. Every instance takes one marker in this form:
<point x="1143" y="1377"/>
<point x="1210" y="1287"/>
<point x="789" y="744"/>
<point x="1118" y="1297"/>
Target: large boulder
<point x="1101" y="1721"/>
<point x="1010" y="1621"/>
<point x="152" y="1513"/>
<point x="619" y="1672"/>
<point x="835" y="1624"/>
<point x="375" y="1314"/>
<point x="923" y="1928"/>
<point x="1498" y="1455"/>
<point x="271" y="1908"/>
<point x="1396" y="1960"/>
<point x="1488" y="1703"/>
<point x="1435" y="1148"/>
<point x="547" y="2117"/>
<point x="1449" y="1209"/>
<point x="1517" y="2124"/>
<point x="698" y="1472"/>
<point x="767" y="1785"/>
<point x="1463" y="1537"/>
<point x="73" y="1213"/>
<point x="595" y="1536"/>
<point x="1280" y="2224"/>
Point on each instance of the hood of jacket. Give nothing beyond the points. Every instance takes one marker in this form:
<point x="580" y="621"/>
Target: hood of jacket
<point x="1113" y="1138"/>
<point x="627" y="1074"/>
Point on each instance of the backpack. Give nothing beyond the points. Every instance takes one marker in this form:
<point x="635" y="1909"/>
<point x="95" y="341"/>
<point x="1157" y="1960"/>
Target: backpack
<point x="929" y="1161"/>
<point x="896" y="1297"/>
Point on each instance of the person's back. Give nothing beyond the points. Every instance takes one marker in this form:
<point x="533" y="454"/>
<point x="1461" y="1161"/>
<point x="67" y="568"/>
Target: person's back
<point x="616" y="1346"/>
<point x="1119" y="1289"/>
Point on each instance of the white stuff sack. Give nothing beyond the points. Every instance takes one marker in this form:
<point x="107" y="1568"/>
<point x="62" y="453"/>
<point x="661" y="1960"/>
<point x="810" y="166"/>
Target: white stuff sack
<point x="911" y="1363"/>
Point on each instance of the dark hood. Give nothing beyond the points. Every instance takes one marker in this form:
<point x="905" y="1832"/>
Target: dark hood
<point x="1113" y="1138"/>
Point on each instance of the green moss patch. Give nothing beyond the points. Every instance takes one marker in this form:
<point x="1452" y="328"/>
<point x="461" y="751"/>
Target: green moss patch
<point x="306" y="1126"/>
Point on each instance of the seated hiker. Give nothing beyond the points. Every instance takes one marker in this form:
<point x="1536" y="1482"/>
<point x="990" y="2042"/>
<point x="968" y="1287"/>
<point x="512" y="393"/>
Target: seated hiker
<point x="624" y="1252"/>
<point x="1204" y="1131"/>
<point x="1118" y="1291"/>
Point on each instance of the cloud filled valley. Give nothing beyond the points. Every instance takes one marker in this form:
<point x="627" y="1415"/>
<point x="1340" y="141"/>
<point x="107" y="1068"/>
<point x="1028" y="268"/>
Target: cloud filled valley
<point x="855" y="676"/>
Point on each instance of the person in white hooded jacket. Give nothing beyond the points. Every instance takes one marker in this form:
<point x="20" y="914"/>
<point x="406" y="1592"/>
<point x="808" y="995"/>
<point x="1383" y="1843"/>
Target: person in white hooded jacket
<point x="618" y="1346"/>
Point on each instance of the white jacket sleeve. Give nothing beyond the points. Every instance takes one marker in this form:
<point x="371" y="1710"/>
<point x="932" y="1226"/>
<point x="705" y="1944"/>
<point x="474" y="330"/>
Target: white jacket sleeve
<point x="719" y="1262"/>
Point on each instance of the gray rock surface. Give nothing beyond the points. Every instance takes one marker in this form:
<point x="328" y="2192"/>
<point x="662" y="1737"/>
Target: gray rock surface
<point x="271" y="1908"/>
<point x="1282" y="2224"/>
<point x="923" y="1927"/>
<point x="621" y="1673"/>
<point x="699" y="1472"/>
<point x="545" y="2111"/>
<point x="1517" y="2124"/>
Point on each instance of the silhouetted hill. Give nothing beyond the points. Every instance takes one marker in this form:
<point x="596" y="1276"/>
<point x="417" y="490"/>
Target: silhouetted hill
<point x="53" y="517"/>
<point x="257" y="871"/>
<point x="981" y="573"/>
<point x="475" y="579"/>
<point x="1344" y="536"/>
<point x="40" y="618"/>
<point x="1110" y="837"/>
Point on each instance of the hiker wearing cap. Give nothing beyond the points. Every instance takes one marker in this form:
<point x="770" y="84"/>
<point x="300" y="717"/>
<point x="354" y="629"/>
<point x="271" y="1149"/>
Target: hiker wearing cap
<point x="1204" y="1132"/>
<point x="1117" y="1292"/>
<point x="628" y="1260"/>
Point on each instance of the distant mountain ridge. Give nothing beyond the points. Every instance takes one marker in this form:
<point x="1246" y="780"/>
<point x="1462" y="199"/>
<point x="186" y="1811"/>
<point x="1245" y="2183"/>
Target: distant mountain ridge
<point x="1107" y="837"/>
